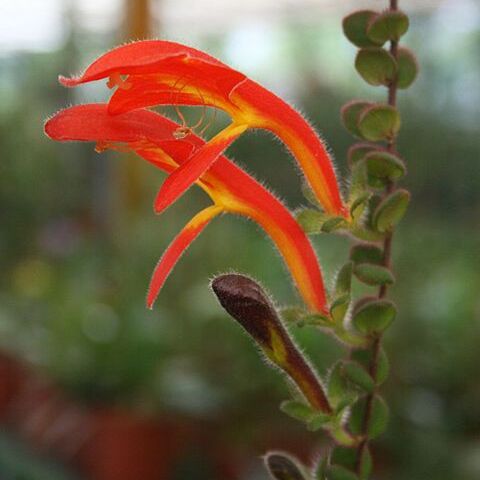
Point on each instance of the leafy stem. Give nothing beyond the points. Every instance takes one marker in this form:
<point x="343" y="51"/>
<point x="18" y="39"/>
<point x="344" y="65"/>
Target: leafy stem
<point x="386" y="262"/>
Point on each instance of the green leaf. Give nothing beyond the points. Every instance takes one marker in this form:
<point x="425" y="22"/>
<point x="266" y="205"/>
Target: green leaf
<point x="358" y="180"/>
<point x="358" y="151"/>
<point x="347" y="401"/>
<point x="376" y="66"/>
<point x="346" y="457"/>
<point x="366" y="234"/>
<point x="304" y="413"/>
<point x="341" y="393"/>
<point x="339" y="308"/>
<point x="341" y="436"/>
<point x="359" y="376"/>
<point x="332" y="224"/>
<point x="374" y="316"/>
<point x="358" y="205"/>
<point x="337" y="472"/>
<point x="282" y="466"/>
<point x="389" y="25"/>
<point x="374" y="274"/>
<point x="320" y="469"/>
<point x="343" y="282"/>
<point x="343" y="285"/>
<point x="355" y="27"/>
<point x="364" y="358"/>
<point x="309" y="195"/>
<point x="311" y="220"/>
<point x="384" y="165"/>
<point x="297" y="410"/>
<point x="338" y="386"/>
<point x="292" y="314"/>
<point x="317" y="320"/>
<point x="378" y="122"/>
<point x="391" y="210"/>
<point x="383" y="367"/>
<point x="373" y="203"/>
<point x="407" y="68"/>
<point x="366" y="464"/>
<point x="350" y="114"/>
<point x="317" y="421"/>
<point x="366" y="253"/>
<point x="378" y="418"/>
<point x="357" y="414"/>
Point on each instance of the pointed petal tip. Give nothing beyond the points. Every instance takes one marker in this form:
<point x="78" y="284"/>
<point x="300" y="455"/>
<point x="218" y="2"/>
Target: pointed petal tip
<point x="150" y="300"/>
<point x="47" y="128"/>
<point x="165" y="197"/>
<point x="68" y="81"/>
<point x="160" y="205"/>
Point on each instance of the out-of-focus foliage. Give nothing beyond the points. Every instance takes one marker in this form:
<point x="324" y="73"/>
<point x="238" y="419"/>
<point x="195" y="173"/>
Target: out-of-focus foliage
<point x="76" y="256"/>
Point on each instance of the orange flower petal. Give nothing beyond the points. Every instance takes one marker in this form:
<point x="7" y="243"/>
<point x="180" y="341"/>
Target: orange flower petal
<point x="190" y="171"/>
<point x="151" y="136"/>
<point x="175" y="250"/>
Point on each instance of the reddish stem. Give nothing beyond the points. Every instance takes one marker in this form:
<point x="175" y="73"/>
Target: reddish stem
<point x="387" y="253"/>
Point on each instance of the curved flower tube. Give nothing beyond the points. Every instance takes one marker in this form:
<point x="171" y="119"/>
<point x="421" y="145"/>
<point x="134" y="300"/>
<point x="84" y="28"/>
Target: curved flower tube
<point x="166" y="73"/>
<point x="149" y="134"/>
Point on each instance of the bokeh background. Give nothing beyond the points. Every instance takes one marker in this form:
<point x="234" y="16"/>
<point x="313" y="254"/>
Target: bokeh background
<point x="95" y="386"/>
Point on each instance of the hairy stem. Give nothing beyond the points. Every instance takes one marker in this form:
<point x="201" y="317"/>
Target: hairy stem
<point x="387" y="260"/>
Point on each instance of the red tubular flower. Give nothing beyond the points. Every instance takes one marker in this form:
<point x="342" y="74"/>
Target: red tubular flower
<point x="231" y="189"/>
<point x="160" y="73"/>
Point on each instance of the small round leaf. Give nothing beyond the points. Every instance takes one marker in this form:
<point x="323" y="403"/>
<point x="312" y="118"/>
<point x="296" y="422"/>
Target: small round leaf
<point x="355" y="27"/>
<point x="311" y="220"/>
<point x="391" y="210"/>
<point x="343" y="282"/>
<point x="359" y="376"/>
<point x="384" y="165"/>
<point x="339" y="308"/>
<point x="337" y="472"/>
<point x="366" y="464"/>
<point x="407" y="68"/>
<point x="389" y="25"/>
<point x="366" y="253"/>
<point x="282" y="466"/>
<point x="376" y="66"/>
<point x="373" y="316"/>
<point x="358" y="205"/>
<point x="378" y="417"/>
<point x="358" y="151"/>
<point x="364" y="357"/>
<point x="297" y="410"/>
<point x="332" y="224"/>
<point x="346" y="457"/>
<point x="374" y="274"/>
<point x="338" y="386"/>
<point x="350" y="114"/>
<point x="378" y="122"/>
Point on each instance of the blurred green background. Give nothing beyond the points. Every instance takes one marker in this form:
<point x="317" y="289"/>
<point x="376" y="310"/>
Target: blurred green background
<point x="78" y="237"/>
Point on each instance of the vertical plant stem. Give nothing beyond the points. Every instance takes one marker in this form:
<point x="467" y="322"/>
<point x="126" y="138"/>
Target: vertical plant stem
<point x="387" y="260"/>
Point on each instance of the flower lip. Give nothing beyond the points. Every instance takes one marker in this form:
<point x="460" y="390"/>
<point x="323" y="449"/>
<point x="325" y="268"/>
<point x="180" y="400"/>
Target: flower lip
<point x="147" y="57"/>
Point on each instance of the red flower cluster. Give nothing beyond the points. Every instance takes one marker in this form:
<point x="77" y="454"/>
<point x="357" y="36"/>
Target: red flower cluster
<point x="150" y="73"/>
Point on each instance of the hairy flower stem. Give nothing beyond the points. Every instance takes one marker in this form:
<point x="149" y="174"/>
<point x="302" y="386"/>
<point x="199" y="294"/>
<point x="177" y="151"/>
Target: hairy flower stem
<point x="387" y="254"/>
